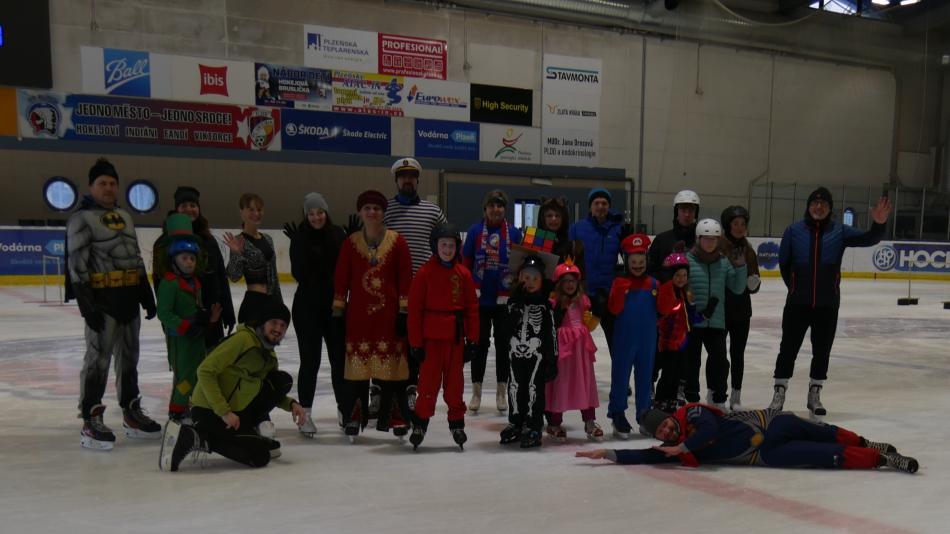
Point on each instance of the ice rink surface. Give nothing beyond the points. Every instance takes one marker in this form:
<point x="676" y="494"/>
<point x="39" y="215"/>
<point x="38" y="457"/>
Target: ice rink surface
<point x="889" y="381"/>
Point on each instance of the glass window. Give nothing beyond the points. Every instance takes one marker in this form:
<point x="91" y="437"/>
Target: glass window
<point x="142" y="196"/>
<point x="849" y="216"/>
<point x="60" y="193"/>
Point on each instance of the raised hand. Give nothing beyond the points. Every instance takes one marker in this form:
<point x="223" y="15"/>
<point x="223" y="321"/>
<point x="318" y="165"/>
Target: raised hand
<point x="235" y="243"/>
<point x="882" y="211"/>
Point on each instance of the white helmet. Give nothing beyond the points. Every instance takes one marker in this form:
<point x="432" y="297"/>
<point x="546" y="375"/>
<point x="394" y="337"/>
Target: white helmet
<point x="708" y="227"/>
<point x="686" y="196"/>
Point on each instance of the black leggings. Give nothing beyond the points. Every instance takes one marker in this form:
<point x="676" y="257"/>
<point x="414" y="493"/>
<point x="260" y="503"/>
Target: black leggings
<point x="313" y="327"/>
<point x="796" y="320"/>
<point x="244" y="445"/>
<point x="738" y="337"/>
<point x="717" y="366"/>
<point x="490" y="318"/>
<point x="671" y="364"/>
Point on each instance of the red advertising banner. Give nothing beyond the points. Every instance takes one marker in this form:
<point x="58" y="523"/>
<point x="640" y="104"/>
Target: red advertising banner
<point x="415" y="57"/>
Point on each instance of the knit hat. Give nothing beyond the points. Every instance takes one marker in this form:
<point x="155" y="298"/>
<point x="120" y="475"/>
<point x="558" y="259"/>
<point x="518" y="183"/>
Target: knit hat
<point x="371" y="196"/>
<point x="598" y="192"/>
<point x="314" y="200"/>
<point x="186" y="193"/>
<point x="651" y="420"/>
<point x="272" y="308"/>
<point x="821" y="194"/>
<point x="495" y="196"/>
<point x="102" y="167"/>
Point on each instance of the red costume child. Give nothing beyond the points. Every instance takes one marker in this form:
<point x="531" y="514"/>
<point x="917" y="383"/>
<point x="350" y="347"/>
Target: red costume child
<point x="443" y="313"/>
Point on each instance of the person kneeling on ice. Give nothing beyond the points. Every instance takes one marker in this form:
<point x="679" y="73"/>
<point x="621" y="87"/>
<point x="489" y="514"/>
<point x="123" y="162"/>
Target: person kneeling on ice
<point x="700" y="433"/>
<point x="443" y="313"/>
<point x="238" y="386"/>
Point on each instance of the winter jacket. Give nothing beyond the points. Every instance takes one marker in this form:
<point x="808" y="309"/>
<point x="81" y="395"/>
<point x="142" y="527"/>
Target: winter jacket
<point x="739" y="305"/>
<point x="231" y="375"/>
<point x="710" y="280"/>
<point x="662" y="246"/>
<point x="810" y="259"/>
<point x="442" y="304"/>
<point x="676" y="316"/>
<point x="601" y="249"/>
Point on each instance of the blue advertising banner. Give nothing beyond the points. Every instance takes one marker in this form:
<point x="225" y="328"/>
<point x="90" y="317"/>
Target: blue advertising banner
<point x="24" y="251"/>
<point x="293" y="87"/>
<point x="336" y="132"/>
<point x="126" y="72"/>
<point x="916" y="257"/>
<point x="446" y="139"/>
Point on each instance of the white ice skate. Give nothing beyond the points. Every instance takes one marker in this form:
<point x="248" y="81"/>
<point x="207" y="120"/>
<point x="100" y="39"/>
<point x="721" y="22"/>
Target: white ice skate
<point x="476" y="402"/>
<point x="308" y="429"/>
<point x="267" y="429"/>
<point x="501" y="397"/>
<point x="735" y="400"/>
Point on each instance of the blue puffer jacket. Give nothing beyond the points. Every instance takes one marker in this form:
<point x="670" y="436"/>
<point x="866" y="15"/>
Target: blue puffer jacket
<point x="709" y="280"/>
<point x="810" y="259"/>
<point x="601" y="249"/>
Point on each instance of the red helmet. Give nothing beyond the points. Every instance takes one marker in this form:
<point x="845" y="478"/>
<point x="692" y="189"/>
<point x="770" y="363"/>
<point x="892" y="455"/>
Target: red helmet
<point x="567" y="267"/>
<point x="675" y="261"/>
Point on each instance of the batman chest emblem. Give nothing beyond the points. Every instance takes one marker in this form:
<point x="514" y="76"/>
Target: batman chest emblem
<point x="112" y="221"/>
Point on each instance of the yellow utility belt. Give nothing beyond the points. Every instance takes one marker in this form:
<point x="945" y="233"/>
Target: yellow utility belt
<point x="127" y="278"/>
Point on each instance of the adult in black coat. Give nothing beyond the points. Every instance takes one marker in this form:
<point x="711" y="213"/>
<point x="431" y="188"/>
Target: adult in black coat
<point x="685" y="215"/>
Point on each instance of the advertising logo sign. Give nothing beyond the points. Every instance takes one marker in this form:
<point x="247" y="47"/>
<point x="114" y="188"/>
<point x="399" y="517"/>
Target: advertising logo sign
<point x="412" y="56"/>
<point x="339" y="48"/>
<point x="214" y="80"/>
<point x="503" y="105"/>
<point x="446" y="139"/>
<point x="293" y="87"/>
<point x="336" y="132"/>
<point x="434" y="99"/>
<point x="767" y="254"/>
<point x="126" y="72"/>
<point x="211" y="80"/>
<point x="371" y="94"/>
<point x="22" y="250"/>
<point x="916" y="257"/>
<point x="40" y="115"/>
<point x="570" y="110"/>
<point x="510" y="144"/>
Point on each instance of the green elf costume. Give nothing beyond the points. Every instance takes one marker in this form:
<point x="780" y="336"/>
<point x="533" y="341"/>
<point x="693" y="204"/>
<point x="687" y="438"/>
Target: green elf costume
<point x="181" y="312"/>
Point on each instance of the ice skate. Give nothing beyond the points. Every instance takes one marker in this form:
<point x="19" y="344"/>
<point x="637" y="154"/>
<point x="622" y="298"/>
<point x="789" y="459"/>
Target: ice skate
<point x="735" y="401"/>
<point x="177" y="442"/>
<point x="900" y="462"/>
<point x="680" y="396"/>
<point x="883" y="448"/>
<point x="557" y="432"/>
<point x="137" y="423"/>
<point x="274" y="447"/>
<point x="401" y="431"/>
<point x="411" y="392"/>
<point x="814" y="405"/>
<point x="351" y="430"/>
<point x="374" y="400"/>
<point x="308" y="429"/>
<point x="593" y="430"/>
<point x="530" y="439"/>
<point x="458" y="435"/>
<point x="266" y="429"/>
<point x="510" y="434"/>
<point x="418" y="434"/>
<point x="501" y="397"/>
<point x="476" y="402"/>
<point x="778" y="398"/>
<point x="95" y="434"/>
<point x="621" y="426"/>
<point x="721" y="406"/>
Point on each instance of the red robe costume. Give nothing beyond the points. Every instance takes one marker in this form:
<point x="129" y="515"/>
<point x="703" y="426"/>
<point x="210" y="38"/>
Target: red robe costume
<point x="373" y="286"/>
<point x="442" y="302"/>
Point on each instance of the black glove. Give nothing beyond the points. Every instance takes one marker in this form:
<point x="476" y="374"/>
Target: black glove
<point x="418" y="354"/>
<point x="710" y="307"/>
<point x="402" y="327"/>
<point x="87" y="307"/>
<point x="737" y="256"/>
<point x="354" y="225"/>
<point x="469" y="352"/>
<point x="290" y="229"/>
<point x="147" y="299"/>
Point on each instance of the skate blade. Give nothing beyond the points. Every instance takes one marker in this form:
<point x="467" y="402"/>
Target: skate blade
<point x="89" y="443"/>
<point x="621" y="435"/>
<point x="135" y="433"/>
<point x="352" y="439"/>
<point x="308" y="435"/>
<point x="816" y="418"/>
<point x="594" y="438"/>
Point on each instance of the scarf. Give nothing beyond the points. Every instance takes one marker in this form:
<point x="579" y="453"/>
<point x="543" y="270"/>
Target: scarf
<point x="493" y="258"/>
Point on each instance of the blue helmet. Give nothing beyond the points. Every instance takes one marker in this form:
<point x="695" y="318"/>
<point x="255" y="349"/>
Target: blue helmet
<point x="182" y="245"/>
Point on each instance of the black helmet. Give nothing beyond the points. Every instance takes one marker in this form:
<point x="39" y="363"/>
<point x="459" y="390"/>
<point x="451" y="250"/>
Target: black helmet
<point x="445" y="230"/>
<point x="731" y="213"/>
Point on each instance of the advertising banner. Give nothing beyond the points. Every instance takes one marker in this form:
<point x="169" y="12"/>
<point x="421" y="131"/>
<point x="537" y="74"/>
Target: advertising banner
<point x="340" y="49"/>
<point x="23" y="251"/>
<point x="212" y="80"/>
<point x="293" y="87"/>
<point x="371" y="94"/>
<point x="416" y="57"/>
<point x="434" y="99"/>
<point x="510" y="144"/>
<point x="890" y="256"/>
<point x="446" y="139"/>
<point x="111" y="71"/>
<point x="502" y="105"/>
<point x="132" y="120"/>
<point x="336" y="132"/>
<point x="570" y="118"/>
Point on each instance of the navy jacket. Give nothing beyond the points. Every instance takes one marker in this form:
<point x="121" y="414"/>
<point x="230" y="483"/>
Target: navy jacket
<point x="601" y="249"/>
<point x="810" y="259"/>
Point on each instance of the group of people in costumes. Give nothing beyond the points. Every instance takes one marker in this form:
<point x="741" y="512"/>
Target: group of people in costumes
<point x="397" y="329"/>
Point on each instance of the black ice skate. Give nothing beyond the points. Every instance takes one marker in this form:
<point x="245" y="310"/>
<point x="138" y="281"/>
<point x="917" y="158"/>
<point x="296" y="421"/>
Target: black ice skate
<point x="530" y="439"/>
<point x="375" y="398"/>
<point x="418" y="434"/>
<point x="458" y="434"/>
<point x="883" y="448"/>
<point x="178" y="441"/>
<point x="900" y="462"/>
<point x="274" y="447"/>
<point x="351" y="430"/>
<point x="510" y="434"/>
<point x="622" y="428"/>
<point x="137" y="423"/>
<point x="95" y="434"/>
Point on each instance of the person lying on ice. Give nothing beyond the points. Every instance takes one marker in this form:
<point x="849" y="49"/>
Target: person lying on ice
<point x="699" y="433"/>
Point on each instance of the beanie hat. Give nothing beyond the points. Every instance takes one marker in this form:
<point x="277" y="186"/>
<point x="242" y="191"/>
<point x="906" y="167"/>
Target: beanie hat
<point x="314" y="200"/>
<point x="598" y="192"/>
<point x="186" y="193"/>
<point x="651" y="420"/>
<point x="371" y="196"/>
<point x="495" y="196"/>
<point x="102" y="167"/>
<point x="821" y="194"/>
<point x="272" y="308"/>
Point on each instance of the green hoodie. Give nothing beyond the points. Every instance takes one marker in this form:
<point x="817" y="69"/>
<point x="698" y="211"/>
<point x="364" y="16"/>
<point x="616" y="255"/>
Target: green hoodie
<point x="230" y="376"/>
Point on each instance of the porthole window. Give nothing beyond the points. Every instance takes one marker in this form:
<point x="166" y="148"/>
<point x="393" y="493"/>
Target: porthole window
<point x="142" y="196"/>
<point x="60" y="193"/>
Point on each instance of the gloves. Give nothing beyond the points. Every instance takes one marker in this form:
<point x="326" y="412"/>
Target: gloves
<point x="418" y="354"/>
<point x="402" y="326"/>
<point x="290" y="229"/>
<point x="710" y="307"/>
<point x="354" y="225"/>
<point x="753" y="282"/>
<point x="737" y="256"/>
<point x="87" y="307"/>
<point x="469" y="352"/>
<point x="147" y="299"/>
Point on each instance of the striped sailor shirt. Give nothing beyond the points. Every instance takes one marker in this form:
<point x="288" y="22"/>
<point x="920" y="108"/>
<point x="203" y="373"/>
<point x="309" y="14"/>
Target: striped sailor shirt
<point x="414" y="222"/>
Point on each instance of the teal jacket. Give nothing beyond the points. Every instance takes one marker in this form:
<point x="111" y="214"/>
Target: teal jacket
<point x="711" y="280"/>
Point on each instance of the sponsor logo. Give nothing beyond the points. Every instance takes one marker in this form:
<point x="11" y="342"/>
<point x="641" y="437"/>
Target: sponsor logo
<point x="767" y="254"/>
<point x="56" y="247"/>
<point x="19" y="247"/>
<point x="313" y="41"/>
<point x="425" y="99"/>
<point x="912" y="257"/>
<point x="885" y="258"/>
<point x="554" y="109"/>
<point x="314" y="130"/>
<point x="433" y="134"/>
<point x="508" y="143"/>
<point x="44" y="118"/>
<point x="214" y="80"/>
<point x="317" y="42"/>
<point x="480" y="103"/>
<point x="262" y="126"/>
<point x="126" y="72"/>
<point x="572" y="75"/>
<point x="467" y="137"/>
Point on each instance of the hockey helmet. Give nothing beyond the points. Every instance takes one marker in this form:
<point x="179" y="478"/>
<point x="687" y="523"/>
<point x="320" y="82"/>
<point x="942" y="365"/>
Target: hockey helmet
<point x="708" y="227"/>
<point x="445" y="230"/>
<point x="686" y="196"/>
<point x="675" y="261"/>
<point x="181" y="245"/>
<point x="567" y="267"/>
<point x="731" y="213"/>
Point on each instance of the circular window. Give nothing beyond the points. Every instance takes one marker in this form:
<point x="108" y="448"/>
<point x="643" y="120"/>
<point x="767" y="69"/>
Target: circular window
<point x="142" y="196"/>
<point x="60" y="193"/>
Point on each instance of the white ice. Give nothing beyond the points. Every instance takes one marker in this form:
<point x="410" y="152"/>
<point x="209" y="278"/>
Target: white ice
<point x="889" y="381"/>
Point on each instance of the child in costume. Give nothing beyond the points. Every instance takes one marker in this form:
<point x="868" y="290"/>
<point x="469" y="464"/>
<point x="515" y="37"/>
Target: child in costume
<point x="443" y="313"/>
<point x="677" y="314"/>
<point x="575" y="387"/>
<point x="633" y="301"/>
<point x="180" y="310"/>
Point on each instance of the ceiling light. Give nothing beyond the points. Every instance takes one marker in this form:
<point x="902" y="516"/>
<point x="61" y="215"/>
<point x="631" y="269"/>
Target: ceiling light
<point x="881" y="2"/>
<point x="909" y="2"/>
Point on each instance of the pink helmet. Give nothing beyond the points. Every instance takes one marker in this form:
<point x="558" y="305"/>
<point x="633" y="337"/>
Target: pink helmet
<point x="675" y="261"/>
<point x="567" y="267"/>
